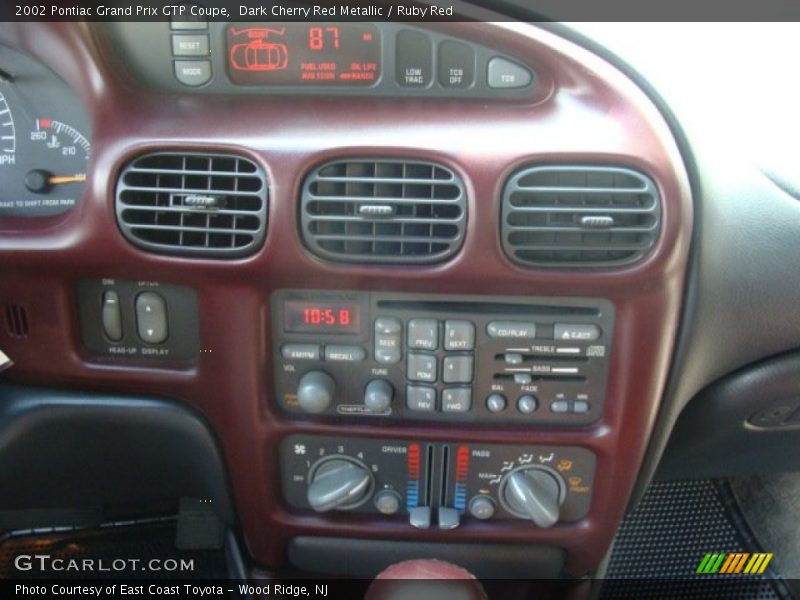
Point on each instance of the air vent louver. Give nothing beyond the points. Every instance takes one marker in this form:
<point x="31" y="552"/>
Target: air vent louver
<point x="579" y="216"/>
<point x="195" y="204"/>
<point x="383" y="211"/>
<point x="16" y="321"/>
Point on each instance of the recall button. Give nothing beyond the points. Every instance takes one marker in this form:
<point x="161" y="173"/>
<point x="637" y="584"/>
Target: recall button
<point x="345" y="353"/>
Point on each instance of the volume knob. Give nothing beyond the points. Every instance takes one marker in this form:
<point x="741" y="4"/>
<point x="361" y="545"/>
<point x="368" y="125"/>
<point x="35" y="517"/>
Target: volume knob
<point x="315" y="392"/>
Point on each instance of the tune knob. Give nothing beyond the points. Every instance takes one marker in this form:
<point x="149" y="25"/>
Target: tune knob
<point x="315" y="392"/>
<point x="378" y="395"/>
<point x="338" y="483"/>
<point x="534" y="493"/>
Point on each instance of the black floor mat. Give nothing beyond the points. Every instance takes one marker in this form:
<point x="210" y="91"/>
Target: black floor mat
<point x="142" y="542"/>
<point x="662" y="542"/>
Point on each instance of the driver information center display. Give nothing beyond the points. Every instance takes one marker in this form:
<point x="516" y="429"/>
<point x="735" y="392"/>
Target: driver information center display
<point x="304" y="53"/>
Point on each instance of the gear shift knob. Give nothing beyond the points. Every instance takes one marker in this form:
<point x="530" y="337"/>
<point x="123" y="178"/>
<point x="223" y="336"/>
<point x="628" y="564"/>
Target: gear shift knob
<point x="425" y="579"/>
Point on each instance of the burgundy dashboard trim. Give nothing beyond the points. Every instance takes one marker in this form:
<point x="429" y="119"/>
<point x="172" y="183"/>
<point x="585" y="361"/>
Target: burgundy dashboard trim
<point x="591" y="114"/>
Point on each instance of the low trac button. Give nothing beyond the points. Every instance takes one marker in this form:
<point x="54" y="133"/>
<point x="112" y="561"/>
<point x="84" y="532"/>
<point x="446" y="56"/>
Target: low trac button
<point x="413" y="59"/>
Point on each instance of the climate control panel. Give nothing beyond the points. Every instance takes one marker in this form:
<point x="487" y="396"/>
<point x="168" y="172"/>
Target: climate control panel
<point x="493" y="359"/>
<point x="437" y="484"/>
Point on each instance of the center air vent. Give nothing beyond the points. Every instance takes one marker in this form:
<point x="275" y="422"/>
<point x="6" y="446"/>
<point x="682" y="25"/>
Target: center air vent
<point x="195" y="204"/>
<point x="383" y="211"/>
<point x="579" y="216"/>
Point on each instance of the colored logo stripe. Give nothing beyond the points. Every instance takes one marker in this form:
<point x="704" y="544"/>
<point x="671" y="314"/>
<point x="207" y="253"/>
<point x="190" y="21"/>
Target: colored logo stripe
<point x="734" y="563"/>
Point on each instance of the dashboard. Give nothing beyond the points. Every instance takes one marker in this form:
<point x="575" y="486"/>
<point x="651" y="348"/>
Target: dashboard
<point x="423" y="283"/>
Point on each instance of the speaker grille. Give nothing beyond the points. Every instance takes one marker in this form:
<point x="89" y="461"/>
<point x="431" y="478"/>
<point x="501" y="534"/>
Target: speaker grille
<point x="579" y="216"/>
<point x="383" y="211"/>
<point x="195" y="204"/>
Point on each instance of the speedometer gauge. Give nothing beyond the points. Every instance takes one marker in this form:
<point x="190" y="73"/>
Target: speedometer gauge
<point x="44" y="148"/>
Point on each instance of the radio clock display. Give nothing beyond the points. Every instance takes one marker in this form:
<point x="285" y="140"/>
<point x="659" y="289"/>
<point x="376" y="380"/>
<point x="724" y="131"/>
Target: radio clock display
<point x="304" y="54"/>
<point x="301" y="316"/>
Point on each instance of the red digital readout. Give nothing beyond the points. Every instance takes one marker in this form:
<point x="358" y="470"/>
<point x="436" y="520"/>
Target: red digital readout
<point x="301" y="316"/>
<point x="327" y="316"/>
<point x="304" y="54"/>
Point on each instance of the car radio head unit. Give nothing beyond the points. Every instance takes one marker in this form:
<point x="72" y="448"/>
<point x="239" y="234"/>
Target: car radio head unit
<point x="435" y="357"/>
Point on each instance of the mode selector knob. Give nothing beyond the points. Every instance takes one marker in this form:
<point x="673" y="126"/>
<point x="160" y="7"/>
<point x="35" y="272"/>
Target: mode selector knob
<point x="339" y="482"/>
<point x="315" y="392"/>
<point x="378" y="395"/>
<point x="534" y="493"/>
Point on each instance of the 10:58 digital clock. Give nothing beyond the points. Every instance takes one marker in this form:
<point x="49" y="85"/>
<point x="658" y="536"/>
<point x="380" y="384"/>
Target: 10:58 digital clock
<point x="301" y="316"/>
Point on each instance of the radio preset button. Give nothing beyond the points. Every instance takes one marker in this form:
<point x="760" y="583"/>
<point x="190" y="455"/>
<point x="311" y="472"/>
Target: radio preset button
<point x="459" y="335"/>
<point x="420" y="398"/>
<point x="457" y="369"/>
<point x="456" y="400"/>
<point x="496" y="403"/>
<point x="421" y="367"/>
<point x="300" y="351"/>
<point x="345" y="353"/>
<point x="423" y="334"/>
<point x="580" y="332"/>
<point x="511" y="330"/>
